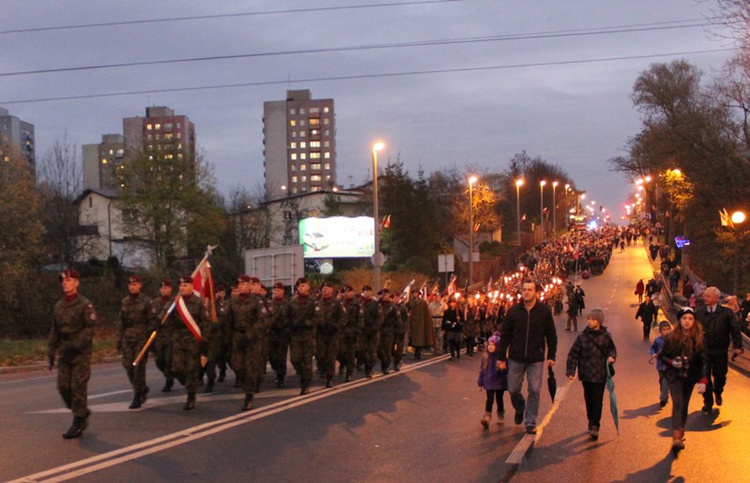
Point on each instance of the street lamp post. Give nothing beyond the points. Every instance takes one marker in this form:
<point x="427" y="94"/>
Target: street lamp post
<point x="554" y="210"/>
<point x="541" y="206"/>
<point x="472" y="180"/>
<point x="567" y="214"/>
<point x="519" y="182"/>
<point x="377" y="257"/>
<point x="738" y="217"/>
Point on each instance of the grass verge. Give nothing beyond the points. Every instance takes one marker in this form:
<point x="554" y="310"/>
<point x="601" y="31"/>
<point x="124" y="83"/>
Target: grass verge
<point x="14" y="353"/>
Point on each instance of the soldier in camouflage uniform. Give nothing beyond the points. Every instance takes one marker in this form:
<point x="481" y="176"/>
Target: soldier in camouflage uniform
<point x="391" y="323"/>
<point x="279" y="333"/>
<point x="186" y="347"/>
<point x="133" y="331"/>
<point x="303" y="315"/>
<point x="372" y="315"/>
<point x="213" y="339"/>
<point x="225" y="332"/>
<point x="247" y="318"/>
<point x="350" y="332"/>
<point x="162" y="346"/>
<point x="71" y="339"/>
<point x="400" y="331"/>
<point x="332" y="318"/>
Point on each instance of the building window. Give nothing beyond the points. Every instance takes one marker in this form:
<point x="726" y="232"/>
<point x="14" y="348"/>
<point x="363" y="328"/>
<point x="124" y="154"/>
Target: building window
<point x="326" y="144"/>
<point x="326" y="133"/>
<point x="314" y="144"/>
<point x="302" y="134"/>
<point x="314" y="132"/>
<point x="325" y="109"/>
<point x="292" y="111"/>
<point x="328" y="177"/>
<point x="302" y="145"/>
<point x="315" y="122"/>
<point x="314" y="110"/>
<point x="157" y="126"/>
<point x="301" y="122"/>
<point x="167" y="126"/>
<point x="149" y="127"/>
<point x="302" y="156"/>
<point x="301" y="110"/>
<point x="294" y="168"/>
<point x="314" y="177"/>
<point x="327" y="166"/>
<point x="315" y="155"/>
<point x="304" y="179"/>
<point x="315" y="167"/>
<point x="326" y="121"/>
<point x="104" y="160"/>
<point x="293" y="156"/>
<point x="327" y="155"/>
<point x="293" y="145"/>
<point x="303" y="167"/>
<point x="294" y="134"/>
<point x="294" y="190"/>
<point x="294" y="179"/>
<point x="292" y="122"/>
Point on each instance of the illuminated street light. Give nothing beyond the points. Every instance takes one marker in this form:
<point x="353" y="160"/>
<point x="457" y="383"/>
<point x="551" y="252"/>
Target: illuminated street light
<point x="542" y="184"/>
<point x="377" y="257"/>
<point x="519" y="182"/>
<point x="554" y="211"/>
<point x="738" y="217"/>
<point x="472" y="180"/>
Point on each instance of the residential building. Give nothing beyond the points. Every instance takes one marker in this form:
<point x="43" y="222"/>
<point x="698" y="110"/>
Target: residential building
<point x="17" y="136"/>
<point x="299" y="145"/>
<point x="160" y="131"/>
<point x="101" y="162"/>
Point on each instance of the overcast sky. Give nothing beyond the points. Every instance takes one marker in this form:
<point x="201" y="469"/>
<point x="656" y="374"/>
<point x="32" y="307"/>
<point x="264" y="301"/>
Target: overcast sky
<point x="473" y="97"/>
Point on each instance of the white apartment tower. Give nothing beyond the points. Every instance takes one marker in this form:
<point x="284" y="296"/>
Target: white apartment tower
<point x="299" y="145"/>
<point x="17" y="136"/>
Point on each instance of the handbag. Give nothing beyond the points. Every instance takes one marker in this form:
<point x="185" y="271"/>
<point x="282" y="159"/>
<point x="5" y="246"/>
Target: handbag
<point x="611" y="366"/>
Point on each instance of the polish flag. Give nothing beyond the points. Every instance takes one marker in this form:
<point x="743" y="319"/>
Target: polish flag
<point x="188" y="319"/>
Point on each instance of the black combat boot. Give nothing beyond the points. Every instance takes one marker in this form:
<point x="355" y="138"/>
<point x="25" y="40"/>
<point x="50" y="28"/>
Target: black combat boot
<point x="76" y="429"/>
<point x="222" y="374"/>
<point x="136" y="401"/>
<point x="86" y="419"/>
<point x="348" y="376"/>
<point x="190" y="404"/>
<point x="209" y="386"/>
<point x="144" y="394"/>
<point x="305" y="387"/>
<point x="248" y="404"/>
<point x="328" y="383"/>
<point x="168" y="384"/>
<point x="280" y="381"/>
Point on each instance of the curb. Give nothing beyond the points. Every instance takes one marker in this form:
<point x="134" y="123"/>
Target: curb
<point x="41" y="366"/>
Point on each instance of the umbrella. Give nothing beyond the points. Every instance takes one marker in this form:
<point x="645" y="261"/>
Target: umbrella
<point x="612" y="398"/>
<point x="551" y="383"/>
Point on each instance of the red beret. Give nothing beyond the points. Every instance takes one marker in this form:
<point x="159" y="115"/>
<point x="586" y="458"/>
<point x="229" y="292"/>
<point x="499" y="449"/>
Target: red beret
<point x="135" y="279"/>
<point x="166" y="283"/>
<point x="301" y="280"/>
<point x="186" y="279"/>
<point x="69" y="274"/>
<point x="243" y="278"/>
<point x="278" y="285"/>
<point x="254" y="280"/>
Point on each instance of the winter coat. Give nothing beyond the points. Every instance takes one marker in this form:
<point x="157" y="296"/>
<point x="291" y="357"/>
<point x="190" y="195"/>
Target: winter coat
<point x="421" y="332"/>
<point x="586" y="356"/>
<point x="720" y="328"/>
<point x="696" y="369"/>
<point x="525" y="334"/>
<point x="656" y="348"/>
<point x="647" y="312"/>
<point x="490" y="377"/>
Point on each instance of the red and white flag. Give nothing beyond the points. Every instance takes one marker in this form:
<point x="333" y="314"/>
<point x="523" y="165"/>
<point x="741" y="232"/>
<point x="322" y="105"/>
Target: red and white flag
<point x="203" y="286"/>
<point x="188" y="319"/>
<point x="575" y="253"/>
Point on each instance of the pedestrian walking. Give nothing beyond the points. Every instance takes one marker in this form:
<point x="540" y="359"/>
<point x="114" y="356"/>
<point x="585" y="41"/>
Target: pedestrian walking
<point x="453" y="327"/>
<point x="332" y="317"/>
<point x="572" y="313"/>
<point x="71" y="342"/>
<point x="132" y="333"/>
<point x="639" y="289"/>
<point x="647" y="312"/>
<point x="304" y="317"/>
<point x="592" y="350"/>
<point x="389" y="327"/>
<point x="279" y="335"/>
<point x="721" y="328"/>
<point x="437" y="308"/>
<point x="351" y="332"/>
<point x="372" y="315"/>
<point x="492" y="380"/>
<point x="664" y="329"/>
<point x="686" y="359"/>
<point x="421" y="332"/>
<point x="162" y="346"/>
<point x="527" y="332"/>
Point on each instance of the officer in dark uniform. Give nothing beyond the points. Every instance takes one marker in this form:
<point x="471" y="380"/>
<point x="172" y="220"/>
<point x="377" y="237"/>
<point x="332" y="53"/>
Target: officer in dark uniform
<point x="391" y="322"/>
<point x="247" y="316"/>
<point x="332" y="317"/>
<point x="279" y="333"/>
<point x="351" y="331"/>
<point x="372" y="315"/>
<point x="71" y="340"/>
<point x="303" y="315"/>
<point x="132" y="334"/>
<point x="162" y="346"/>
<point x="186" y="347"/>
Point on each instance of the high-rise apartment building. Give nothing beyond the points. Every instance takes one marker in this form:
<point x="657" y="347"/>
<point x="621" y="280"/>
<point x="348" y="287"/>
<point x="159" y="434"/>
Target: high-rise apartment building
<point x="299" y="144"/>
<point x="101" y="162"/>
<point x="16" y="135"/>
<point x="160" y="131"/>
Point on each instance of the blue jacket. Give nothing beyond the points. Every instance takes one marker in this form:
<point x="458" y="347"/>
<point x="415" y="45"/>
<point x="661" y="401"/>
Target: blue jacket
<point x="656" y="347"/>
<point x="490" y="378"/>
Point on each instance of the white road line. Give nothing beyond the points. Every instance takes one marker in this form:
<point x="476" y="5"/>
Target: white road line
<point x="123" y="455"/>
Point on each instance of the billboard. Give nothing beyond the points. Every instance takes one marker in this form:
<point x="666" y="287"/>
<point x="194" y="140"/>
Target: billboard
<point x="337" y="237"/>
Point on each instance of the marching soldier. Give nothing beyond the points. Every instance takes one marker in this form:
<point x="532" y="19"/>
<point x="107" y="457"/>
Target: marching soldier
<point x="279" y="333"/>
<point x="162" y="346"/>
<point x="332" y="316"/>
<point x="303" y="316"/>
<point x="372" y="315"/>
<point x="400" y="331"/>
<point x="391" y="322"/>
<point x="71" y="339"/>
<point x="246" y="318"/>
<point x="225" y="342"/>
<point x="132" y="334"/>
<point x="213" y="337"/>
<point x="188" y="321"/>
<point x="351" y="331"/>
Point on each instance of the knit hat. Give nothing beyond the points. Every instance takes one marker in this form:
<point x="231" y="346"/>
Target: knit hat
<point x="664" y="324"/>
<point x="683" y="311"/>
<point x="597" y="314"/>
<point x="494" y="339"/>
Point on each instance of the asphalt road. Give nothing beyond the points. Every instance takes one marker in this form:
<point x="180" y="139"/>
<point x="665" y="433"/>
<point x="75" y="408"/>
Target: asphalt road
<point x="418" y="424"/>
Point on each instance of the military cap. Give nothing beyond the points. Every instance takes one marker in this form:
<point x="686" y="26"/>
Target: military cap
<point x="186" y="279"/>
<point x="221" y="288"/>
<point x="301" y="280"/>
<point x="135" y="279"/>
<point x="263" y="287"/>
<point x="327" y="284"/>
<point x="254" y="280"/>
<point x="165" y="283"/>
<point x="384" y="291"/>
<point x="348" y="288"/>
<point x="366" y="288"/>
<point x="278" y="285"/>
<point x="243" y="278"/>
<point x="69" y="274"/>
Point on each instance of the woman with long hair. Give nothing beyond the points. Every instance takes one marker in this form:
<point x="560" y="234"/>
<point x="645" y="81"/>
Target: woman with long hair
<point x="685" y="355"/>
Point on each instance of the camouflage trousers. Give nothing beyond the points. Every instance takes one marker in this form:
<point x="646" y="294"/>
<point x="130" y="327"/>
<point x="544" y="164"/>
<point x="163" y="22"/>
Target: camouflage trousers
<point x="186" y="364"/>
<point x="73" y="374"/>
<point x="278" y="351"/>
<point x="302" y="348"/>
<point x="368" y="346"/>
<point x="326" y="349"/>
<point x="347" y="352"/>
<point x="162" y="348"/>
<point x="385" y="349"/>
<point x="246" y="362"/>
<point x="136" y="374"/>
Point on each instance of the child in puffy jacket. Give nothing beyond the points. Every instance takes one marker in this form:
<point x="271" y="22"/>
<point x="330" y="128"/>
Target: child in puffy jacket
<point x="492" y="380"/>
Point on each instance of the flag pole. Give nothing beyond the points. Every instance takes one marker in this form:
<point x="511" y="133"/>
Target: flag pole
<point x="142" y="353"/>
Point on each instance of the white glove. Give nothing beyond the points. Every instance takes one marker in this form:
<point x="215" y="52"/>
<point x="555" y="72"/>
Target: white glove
<point x="701" y="388"/>
<point x="677" y="363"/>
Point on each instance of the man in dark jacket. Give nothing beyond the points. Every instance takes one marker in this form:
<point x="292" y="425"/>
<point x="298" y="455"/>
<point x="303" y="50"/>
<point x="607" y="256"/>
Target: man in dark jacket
<point x="720" y="326"/>
<point x="647" y="312"/>
<point x="527" y="331"/>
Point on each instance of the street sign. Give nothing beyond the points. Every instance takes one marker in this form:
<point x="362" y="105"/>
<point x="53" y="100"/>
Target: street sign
<point x="378" y="259"/>
<point x="446" y="263"/>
